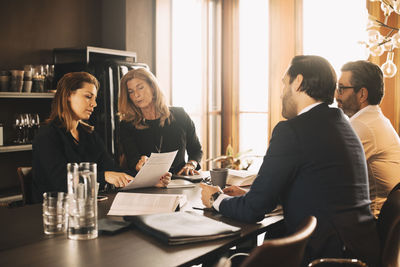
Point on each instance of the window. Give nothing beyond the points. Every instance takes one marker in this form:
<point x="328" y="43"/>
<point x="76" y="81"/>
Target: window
<point x="195" y="67"/>
<point x="193" y="33"/>
<point x="334" y="31"/>
<point x="253" y="78"/>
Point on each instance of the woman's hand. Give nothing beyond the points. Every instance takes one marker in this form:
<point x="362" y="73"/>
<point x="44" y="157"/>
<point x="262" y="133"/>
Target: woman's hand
<point x="234" y="191"/>
<point x="188" y="169"/>
<point x="141" y="162"/>
<point x="164" y="180"/>
<point x="118" y="179"/>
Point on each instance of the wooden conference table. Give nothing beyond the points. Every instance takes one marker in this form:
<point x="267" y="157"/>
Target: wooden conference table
<point x="23" y="243"/>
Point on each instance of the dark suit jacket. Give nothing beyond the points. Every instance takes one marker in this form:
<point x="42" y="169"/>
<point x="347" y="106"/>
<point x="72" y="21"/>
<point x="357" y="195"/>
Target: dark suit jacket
<point x="54" y="147"/>
<point x="315" y="165"/>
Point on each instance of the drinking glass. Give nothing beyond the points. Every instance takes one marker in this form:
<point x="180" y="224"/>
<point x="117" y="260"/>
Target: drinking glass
<point x="27" y="127"/>
<point x="54" y="212"/>
<point x="82" y="199"/>
<point x="35" y="125"/>
<point x="18" y="124"/>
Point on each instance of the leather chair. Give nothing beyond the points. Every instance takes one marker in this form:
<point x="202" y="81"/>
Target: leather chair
<point x="287" y="251"/>
<point x="25" y="179"/>
<point x="388" y="226"/>
<point x="284" y="252"/>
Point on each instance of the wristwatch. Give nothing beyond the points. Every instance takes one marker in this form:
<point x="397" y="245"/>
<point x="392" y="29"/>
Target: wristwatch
<point x="214" y="197"/>
<point x="192" y="163"/>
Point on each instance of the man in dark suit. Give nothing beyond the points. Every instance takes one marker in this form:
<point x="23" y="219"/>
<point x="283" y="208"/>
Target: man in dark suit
<point x="314" y="165"/>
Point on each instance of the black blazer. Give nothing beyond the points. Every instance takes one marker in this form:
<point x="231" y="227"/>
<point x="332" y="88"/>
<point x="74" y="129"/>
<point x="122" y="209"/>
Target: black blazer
<point x="54" y="147"/>
<point x="315" y="165"/>
<point x="179" y="135"/>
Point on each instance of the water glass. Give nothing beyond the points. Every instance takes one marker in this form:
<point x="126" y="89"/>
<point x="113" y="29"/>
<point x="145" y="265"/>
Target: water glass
<point x="54" y="212"/>
<point x="82" y="200"/>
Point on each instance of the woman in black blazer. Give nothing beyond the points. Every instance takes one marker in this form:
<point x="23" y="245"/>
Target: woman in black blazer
<point x="67" y="138"/>
<point x="148" y="125"/>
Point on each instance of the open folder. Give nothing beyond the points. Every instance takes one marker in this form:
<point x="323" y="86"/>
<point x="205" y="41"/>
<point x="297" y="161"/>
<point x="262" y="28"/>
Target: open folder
<point x="182" y="227"/>
<point x="141" y="203"/>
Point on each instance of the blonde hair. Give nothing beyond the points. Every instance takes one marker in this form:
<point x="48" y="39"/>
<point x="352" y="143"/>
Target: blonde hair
<point x="131" y="113"/>
<point x="61" y="108"/>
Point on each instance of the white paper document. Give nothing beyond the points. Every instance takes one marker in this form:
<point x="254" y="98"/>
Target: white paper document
<point x="126" y="204"/>
<point x="155" y="167"/>
<point x="240" y="177"/>
<point x="180" y="184"/>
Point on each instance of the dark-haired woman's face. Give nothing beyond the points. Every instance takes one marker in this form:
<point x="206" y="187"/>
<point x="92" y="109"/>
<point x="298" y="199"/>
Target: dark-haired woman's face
<point x="140" y="93"/>
<point x="83" y="101"/>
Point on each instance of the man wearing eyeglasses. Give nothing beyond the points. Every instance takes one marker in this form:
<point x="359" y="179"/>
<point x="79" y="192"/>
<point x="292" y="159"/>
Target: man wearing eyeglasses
<point x="360" y="90"/>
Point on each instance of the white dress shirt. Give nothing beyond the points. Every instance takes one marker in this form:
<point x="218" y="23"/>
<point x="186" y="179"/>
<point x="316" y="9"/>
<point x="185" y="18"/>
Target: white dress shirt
<point x="382" y="151"/>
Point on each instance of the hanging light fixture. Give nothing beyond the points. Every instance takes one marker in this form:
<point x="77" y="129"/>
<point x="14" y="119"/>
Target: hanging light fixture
<point x="376" y="43"/>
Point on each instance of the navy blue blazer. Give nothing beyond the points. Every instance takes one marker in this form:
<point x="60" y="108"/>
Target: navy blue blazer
<point x="315" y="165"/>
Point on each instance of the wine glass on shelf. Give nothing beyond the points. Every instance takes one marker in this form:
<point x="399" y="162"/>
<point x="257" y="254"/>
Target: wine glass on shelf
<point x="35" y="124"/>
<point x="18" y="124"/>
<point x="26" y="127"/>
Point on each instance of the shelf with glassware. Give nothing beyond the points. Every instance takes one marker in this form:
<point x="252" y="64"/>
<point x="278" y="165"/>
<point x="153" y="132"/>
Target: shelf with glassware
<point x="26" y="95"/>
<point x="15" y="148"/>
<point x="26" y="127"/>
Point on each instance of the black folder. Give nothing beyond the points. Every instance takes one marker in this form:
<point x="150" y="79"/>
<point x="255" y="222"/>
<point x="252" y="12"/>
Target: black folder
<point x="182" y="227"/>
<point x="190" y="178"/>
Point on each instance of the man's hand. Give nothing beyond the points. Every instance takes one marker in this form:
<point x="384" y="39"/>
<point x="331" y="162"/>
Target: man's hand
<point x="119" y="179"/>
<point x="207" y="192"/>
<point x="141" y="162"/>
<point x="164" y="180"/>
<point x="234" y="191"/>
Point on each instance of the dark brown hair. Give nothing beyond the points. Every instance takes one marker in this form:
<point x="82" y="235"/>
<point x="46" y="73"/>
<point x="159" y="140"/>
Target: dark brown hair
<point x="319" y="77"/>
<point x="69" y="83"/>
<point x="366" y="74"/>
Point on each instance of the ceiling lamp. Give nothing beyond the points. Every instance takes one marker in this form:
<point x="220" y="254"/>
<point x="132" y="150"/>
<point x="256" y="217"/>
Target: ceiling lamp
<point x="376" y="43"/>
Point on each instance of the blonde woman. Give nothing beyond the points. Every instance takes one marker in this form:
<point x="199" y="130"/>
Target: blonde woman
<point x="149" y="125"/>
<point x="67" y="138"/>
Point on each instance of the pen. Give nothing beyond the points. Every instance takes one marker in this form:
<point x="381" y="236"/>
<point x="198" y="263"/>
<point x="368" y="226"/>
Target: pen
<point x="205" y="209"/>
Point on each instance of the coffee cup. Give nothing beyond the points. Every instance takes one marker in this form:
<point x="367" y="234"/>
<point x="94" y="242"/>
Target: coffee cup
<point x="219" y="176"/>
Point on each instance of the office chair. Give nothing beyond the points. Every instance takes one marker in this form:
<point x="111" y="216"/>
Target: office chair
<point x="388" y="227"/>
<point x="284" y="252"/>
<point x="25" y="179"/>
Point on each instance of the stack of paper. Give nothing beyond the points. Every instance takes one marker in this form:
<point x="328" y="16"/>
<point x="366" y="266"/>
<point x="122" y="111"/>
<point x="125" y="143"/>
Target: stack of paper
<point x="240" y="177"/>
<point x="182" y="227"/>
<point x="179" y="183"/>
<point x="140" y="203"/>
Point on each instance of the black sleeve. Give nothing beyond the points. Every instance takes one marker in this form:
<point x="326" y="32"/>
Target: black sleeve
<point x="127" y="141"/>
<point x="49" y="161"/>
<point x="105" y="162"/>
<point x="193" y="146"/>
<point x="277" y="171"/>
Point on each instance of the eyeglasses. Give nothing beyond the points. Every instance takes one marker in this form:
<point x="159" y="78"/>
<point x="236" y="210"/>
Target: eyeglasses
<point x="341" y="89"/>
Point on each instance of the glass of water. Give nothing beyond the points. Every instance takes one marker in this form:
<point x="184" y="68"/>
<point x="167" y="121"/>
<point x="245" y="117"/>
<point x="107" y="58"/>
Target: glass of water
<point x="82" y="200"/>
<point x="54" y="212"/>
